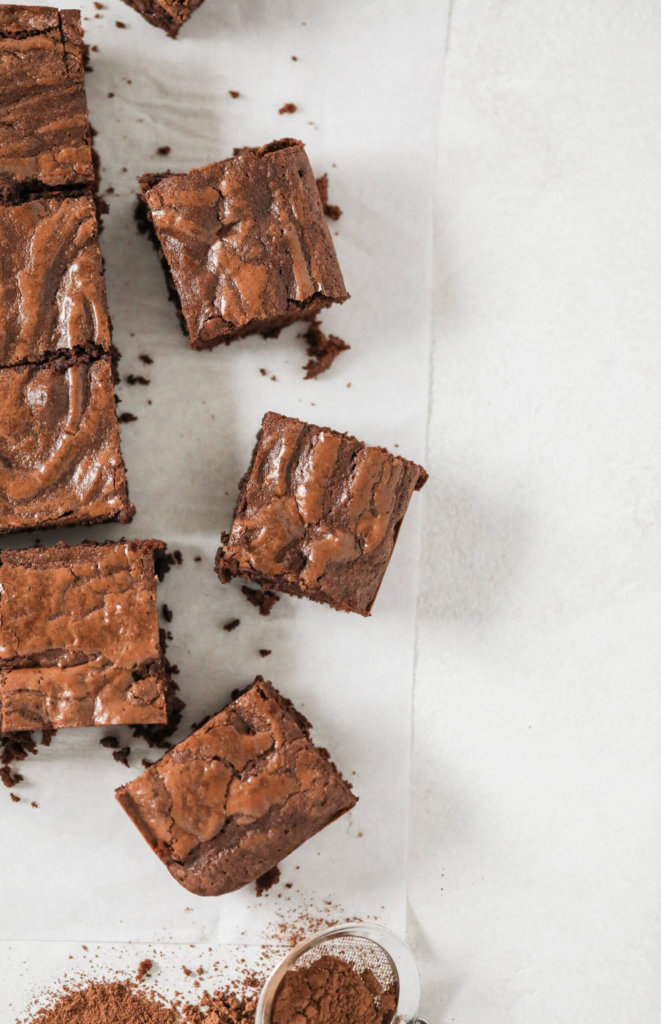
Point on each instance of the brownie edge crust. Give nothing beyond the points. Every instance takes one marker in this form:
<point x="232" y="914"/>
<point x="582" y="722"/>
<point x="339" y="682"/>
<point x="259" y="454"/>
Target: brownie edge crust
<point x="238" y="795"/>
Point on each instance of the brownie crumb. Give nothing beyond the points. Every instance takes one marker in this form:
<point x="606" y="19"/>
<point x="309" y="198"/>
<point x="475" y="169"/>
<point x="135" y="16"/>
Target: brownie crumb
<point x="98" y="6"/>
<point x="322" y="349"/>
<point x="267" y="880"/>
<point x="111" y="95"/>
<point x="9" y="776"/>
<point x="178" y="557"/>
<point x="198" y="558"/>
<point x="262" y="599"/>
<point x="146" y="763"/>
<point x="144" y="358"/>
<point x="127" y="417"/>
<point x="232" y="624"/>
<point x="333" y="212"/>
<point x="34" y="804"/>
<point x="288" y="108"/>
<point x="167" y="613"/>
<point x="264" y="652"/>
<point x="263" y="372"/>
<point x="111" y="742"/>
<point x="294" y="58"/>
<point x="122" y="755"/>
<point x="134" y="378"/>
<point x="234" y="94"/>
<point x="144" y="968"/>
<point x="121" y="24"/>
<point x="163" y="150"/>
<point x="15" y="799"/>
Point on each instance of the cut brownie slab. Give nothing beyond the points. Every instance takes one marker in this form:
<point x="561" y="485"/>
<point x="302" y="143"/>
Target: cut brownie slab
<point x="44" y="131"/>
<point x="237" y="796"/>
<point x="52" y="290"/>
<point x="318" y="514"/>
<point x="169" y="15"/>
<point x="79" y="637"/>
<point x="60" y="460"/>
<point x="245" y="242"/>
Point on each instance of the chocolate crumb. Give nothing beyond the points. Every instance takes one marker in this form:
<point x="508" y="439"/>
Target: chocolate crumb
<point x="34" y="804"/>
<point x="111" y="742"/>
<point x="127" y="417"/>
<point x="333" y="212"/>
<point x="144" y="968"/>
<point x="134" y="378"/>
<point x="294" y="58"/>
<point x="273" y="377"/>
<point x="234" y="94"/>
<point x="263" y="372"/>
<point x="98" y="6"/>
<point x="178" y="557"/>
<point x="15" y="799"/>
<point x="146" y="359"/>
<point x="232" y="624"/>
<point x="167" y="613"/>
<point x="163" y="150"/>
<point x="264" y="652"/>
<point x="10" y="777"/>
<point x="288" y="108"/>
<point x="262" y="599"/>
<point x="198" y="558"/>
<point x="121" y="24"/>
<point x="146" y="763"/>
<point x="267" y="880"/>
<point x="111" y="95"/>
<point x="322" y="349"/>
<point x="122" y="755"/>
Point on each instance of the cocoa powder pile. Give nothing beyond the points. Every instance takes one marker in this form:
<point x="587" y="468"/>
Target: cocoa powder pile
<point x="332" y="991"/>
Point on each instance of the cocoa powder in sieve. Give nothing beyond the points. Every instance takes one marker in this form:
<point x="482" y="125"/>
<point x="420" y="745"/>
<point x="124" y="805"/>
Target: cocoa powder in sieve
<point x="332" y="991"/>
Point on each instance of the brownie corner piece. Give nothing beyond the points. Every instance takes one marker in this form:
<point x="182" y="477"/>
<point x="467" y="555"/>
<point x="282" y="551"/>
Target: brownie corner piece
<point x="45" y="139"/>
<point x="80" y="643"/>
<point x="318" y="514"/>
<point x="244" y="242"/>
<point x="60" y="456"/>
<point x="245" y="790"/>
<point x="169" y="15"/>
<point x="51" y="280"/>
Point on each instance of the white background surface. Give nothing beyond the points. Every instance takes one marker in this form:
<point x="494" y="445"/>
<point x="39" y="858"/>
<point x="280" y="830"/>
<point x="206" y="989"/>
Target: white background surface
<point x="533" y="876"/>
<point x="536" y="841"/>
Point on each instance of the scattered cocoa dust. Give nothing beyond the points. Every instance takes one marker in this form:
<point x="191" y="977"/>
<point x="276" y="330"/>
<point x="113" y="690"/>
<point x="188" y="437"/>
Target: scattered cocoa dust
<point x="322" y="349"/>
<point x="332" y="990"/>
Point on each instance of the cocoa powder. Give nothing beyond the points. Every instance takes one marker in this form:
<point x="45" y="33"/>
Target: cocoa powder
<point x="114" y="1002"/>
<point x="332" y="991"/>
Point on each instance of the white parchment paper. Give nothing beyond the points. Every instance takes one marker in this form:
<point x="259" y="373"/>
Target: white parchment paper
<point x="366" y="84"/>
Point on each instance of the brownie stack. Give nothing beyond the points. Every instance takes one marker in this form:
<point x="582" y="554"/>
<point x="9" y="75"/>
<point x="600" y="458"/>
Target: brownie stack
<point x="60" y="459"/>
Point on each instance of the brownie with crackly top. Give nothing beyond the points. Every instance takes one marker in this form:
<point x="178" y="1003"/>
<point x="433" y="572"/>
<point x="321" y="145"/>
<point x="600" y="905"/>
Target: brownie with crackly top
<point x="246" y="789"/>
<point x="318" y="514"/>
<point x="52" y="289"/>
<point x="45" y="139"/>
<point x="60" y="457"/>
<point x="245" y="243"/>
<point x="169" y="15"/>
<point x="79" y="638"/>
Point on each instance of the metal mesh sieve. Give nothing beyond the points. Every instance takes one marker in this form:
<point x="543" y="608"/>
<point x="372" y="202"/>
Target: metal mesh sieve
<point x="366" y="947"/>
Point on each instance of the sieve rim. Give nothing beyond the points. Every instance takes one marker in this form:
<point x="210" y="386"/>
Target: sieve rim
<point x="403" y="963"/>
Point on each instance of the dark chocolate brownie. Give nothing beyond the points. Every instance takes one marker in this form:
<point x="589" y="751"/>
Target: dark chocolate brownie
<point x="241" y="793"/>
<point x="169" y="15"/>
<point x="79" y="637"/>
<point x="60" y="460"/>
<point x="52" y="290"/>
<point x="44" y="131"/>
<point x="245" y="242"/>
<point x="318" y="514"/>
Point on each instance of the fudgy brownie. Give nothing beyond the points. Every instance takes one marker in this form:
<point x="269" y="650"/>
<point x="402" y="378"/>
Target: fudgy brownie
<point x="60" y="460"/>
<point x="52" y="290"/>
<point x="169" y="15"/>
<point x="44" y="131"/>
<point x="245" y="242"/>
<point x="79" y="637"/>
<point x="318" y="514"/>
<point x="241" y="793"/>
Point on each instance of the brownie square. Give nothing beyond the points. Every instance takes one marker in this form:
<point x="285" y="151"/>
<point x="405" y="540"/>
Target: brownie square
<point x="169" y="15"/>
<point x="44" y="131"/>
<point x="79" y="637"/>
<point x="245" y="243"/>
<point x="318" y="514"/>
<point x="241" y="793"/>
<point x="52" y="290"/>
<point x="60" y="460"/>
